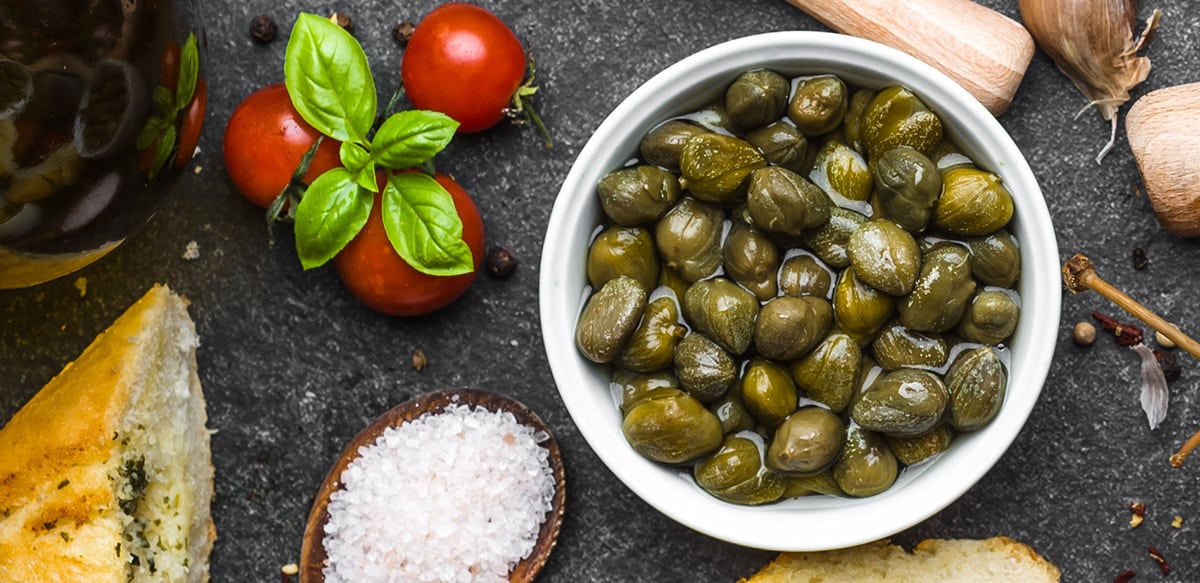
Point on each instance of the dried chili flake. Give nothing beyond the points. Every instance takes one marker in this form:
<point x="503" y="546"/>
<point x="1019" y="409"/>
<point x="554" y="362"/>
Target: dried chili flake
<point x="1124" y="576"/>
<point x="1158" y="558"/>
<point x="1138" y="510"/>
<point x="1126" y="334"/>
<point x="1169" y="364"/>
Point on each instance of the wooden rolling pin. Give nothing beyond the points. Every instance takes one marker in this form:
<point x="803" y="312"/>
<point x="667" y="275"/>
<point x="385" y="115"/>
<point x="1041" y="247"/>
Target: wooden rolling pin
<point x="984" y="51"/>
<point x="1163" y="126"/>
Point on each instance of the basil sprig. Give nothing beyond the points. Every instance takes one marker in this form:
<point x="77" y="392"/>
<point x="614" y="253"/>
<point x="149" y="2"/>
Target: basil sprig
<point x="330" y="84"/>
<point x="159" y="130"/>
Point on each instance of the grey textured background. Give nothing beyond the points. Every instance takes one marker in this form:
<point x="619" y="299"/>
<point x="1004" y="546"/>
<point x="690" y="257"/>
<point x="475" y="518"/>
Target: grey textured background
<point x="293" y="366"/>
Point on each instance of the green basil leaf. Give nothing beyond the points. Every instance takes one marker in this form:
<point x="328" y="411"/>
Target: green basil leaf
<point x="164" y="102"/>
<point x="189" y="70"/>
<point x="154" y="126"/>
<point x="354" y="156"/>
<point x="329" y="80"/>
<point x="162" y="150"/>
<point x="411" y="137"/>
<point x="423" y="226"/>
<point x="366" y="177"/>
<point x="333" y="210"/>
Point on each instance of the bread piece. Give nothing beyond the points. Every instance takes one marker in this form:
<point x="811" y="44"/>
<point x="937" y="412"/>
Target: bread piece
<point x="106" y="474"/>
<point x="996" y="559"/>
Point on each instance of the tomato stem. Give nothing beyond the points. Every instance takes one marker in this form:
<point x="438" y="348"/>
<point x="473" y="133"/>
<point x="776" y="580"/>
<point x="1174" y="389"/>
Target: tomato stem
<point x="392" y="105"/>
<point x="291" y="194"/>
<point x="522" y="109"/>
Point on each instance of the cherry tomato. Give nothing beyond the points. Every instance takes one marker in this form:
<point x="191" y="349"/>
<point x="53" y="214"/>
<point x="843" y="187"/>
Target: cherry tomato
<point x="168" y="66"/>
<point x="191" y="123"/>
<point x="379" y="278"/>
<point x="264" y="142"/>
<point x="465" y="62"/>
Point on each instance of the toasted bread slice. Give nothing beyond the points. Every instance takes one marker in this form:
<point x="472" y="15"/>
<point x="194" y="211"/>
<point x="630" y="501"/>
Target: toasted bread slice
<point x="996" y="559"/>
<point x="106" y="474"/>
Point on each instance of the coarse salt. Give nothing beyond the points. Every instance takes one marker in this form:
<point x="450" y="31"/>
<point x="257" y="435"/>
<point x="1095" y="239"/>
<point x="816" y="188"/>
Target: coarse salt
<point x="454" y="496"/>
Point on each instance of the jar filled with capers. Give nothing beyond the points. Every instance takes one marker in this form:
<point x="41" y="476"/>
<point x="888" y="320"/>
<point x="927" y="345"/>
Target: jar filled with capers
<point x="803" y="288"/>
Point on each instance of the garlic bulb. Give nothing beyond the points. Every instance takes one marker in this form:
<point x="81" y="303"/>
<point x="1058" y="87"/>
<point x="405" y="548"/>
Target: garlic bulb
<point x="1092" y="42"/>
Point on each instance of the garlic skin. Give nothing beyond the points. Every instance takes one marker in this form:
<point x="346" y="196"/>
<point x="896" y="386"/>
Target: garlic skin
<point x="1092" y="43"/>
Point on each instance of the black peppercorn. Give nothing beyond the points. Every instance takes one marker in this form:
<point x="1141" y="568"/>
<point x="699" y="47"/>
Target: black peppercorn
<point x="501" y="261"/>
<point x="1139" y="258"/>
<point x="402" y="33"/>
<point x="263" y="29"/>
<point x="1169" y="364"/>
<point x="343" y="21"/>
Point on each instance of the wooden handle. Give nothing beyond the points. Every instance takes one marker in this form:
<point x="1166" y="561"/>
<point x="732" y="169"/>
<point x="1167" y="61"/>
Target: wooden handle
<point x="984" y="51"/>
<point x="1163" y="126"/>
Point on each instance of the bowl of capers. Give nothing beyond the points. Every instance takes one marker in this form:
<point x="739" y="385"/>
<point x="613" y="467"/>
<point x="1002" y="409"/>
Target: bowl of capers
<point x="799" y="291"/>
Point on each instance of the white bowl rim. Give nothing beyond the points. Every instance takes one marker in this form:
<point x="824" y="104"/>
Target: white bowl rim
<point x="836" y="522"/>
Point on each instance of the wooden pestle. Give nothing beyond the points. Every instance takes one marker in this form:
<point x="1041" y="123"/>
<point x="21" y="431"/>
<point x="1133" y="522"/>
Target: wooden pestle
<point x="984" y="51"/>
<point x="1162" y="127"/>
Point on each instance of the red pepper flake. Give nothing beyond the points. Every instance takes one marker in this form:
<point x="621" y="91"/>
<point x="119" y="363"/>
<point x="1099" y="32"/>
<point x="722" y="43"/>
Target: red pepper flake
<point x="1124" y="576"/>
<point x="1127" y="334"/>
<point x="1158" y="558"/>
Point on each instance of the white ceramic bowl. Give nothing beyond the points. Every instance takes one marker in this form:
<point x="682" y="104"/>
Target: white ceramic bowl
<point x="816" y="522"/>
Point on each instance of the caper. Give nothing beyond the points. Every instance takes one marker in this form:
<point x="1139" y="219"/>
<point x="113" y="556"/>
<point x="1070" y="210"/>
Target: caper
<point x="804" y="275"/>
<point x="885" y="257"/>
<point x="818" y="104"/>
<point x="996" y="259"/>
<point x="669" y="426"/>
<point x="859" y="309"/>
<point x="781" y="144"/>
<point x="807" y="442"/>
<point x="781" y="201"/>
<point x="896" y="117"/>
<point x="829" y="374"/>
<point x="787" y="328"/>
<point x="704" y="370"/>
<point x="904" y="403"/>
<point x="609" y="319"/>
<point x="756" y="98"/>
<point x="901" y="347"/>
<point x="715" y="167"/>
<point x="914" y="450"/>
<point x="688" y="238"/>
<point x="752" y="259"/>
<point x="723" y="311"/>
<point x="908" y="184"/>
<point x="663" y="145"/>
<point x="842" y="172"/>
<point x="735" y="473"/>
<point x="637" y="195"/>
<point x="973" y="203"/>
<point x="768" y="392"/>
<point x="991" y="317"/>
<point x="977" y="383"/>
<point x="652" y="345"/>
<point x="618" y="251"/>
<point x="940" y="296"/>
<point x="830" y="241"/>
<point x="866" y="465"/>
<point x="634" y="387"/>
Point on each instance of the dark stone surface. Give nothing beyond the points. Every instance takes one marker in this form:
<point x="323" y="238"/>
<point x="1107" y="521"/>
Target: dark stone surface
<point x="293" y="366"/>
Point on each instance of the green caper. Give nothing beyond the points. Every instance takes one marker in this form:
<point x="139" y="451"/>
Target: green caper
<point x="866" y="465"/>
<point x="781" y="144"/>
<point x="768" y="392"/>
<point x="996" y="259"/>
<point x="609" y="319"/>
<point x="822" y="483"/>
<point x="947" y="156"/>
<point x="752" y="259"/>
<point x="914" y="450"/>
<point x="669" y="279"/>
<point x="804" y="275"/>
<point x="904" y="403"/>
<point x="977" y="383"/>
<point x="715" y="167"/>
<point x="714" y="117"/>
<point x="807" y="442"/>
<point x="854" y="116"/>
<point x="908" y="184"/>
<point x="841" y="171"/>
<point x="618" y="251"/>
<point x="900" y="347"/>
<point x="704" y="369"/>
<point x="723" y="311"/>
<point x="830" y="241"/>
<point x="735" y="473"/>
<point x="732" y="413"/>
<point x="688" y="238"/>
<point x="670" y="426"/>
<point x="940" y="296"/>
<point x="663" y="145"/>
<point x="787" y="328"/>
<point x="756" y="98"/>
<point x="973" y="203"/>
<point x="633" y="387"/>
<point x="652" y="346"/>
<point x="859" y="309"/>
<point x="818" y="104"/>
<point x="885" y="257"/>
<point x="991" y="317"/>
<point x="637" y="195"/>
<point x="829" y="374"/>
<point x="896" y="117"/>
<point x="781" y="201"/>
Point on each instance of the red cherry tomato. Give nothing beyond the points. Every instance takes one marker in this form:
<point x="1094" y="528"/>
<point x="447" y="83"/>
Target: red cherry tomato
<point x="191" y="124"/>
<point x="168" y="66"/>
<point x="465" y="62"/>
<point x="379" y="278"/>
<point x="264" y="141"/>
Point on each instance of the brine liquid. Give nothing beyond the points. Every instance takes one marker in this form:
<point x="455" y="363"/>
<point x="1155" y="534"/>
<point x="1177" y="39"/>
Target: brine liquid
<point x="76" y="78"/>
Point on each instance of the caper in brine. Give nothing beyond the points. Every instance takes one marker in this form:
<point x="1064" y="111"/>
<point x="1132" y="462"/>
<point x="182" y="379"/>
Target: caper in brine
<point x="885" y="257"/>
<point x="908" y="185"/>
<point x="672" y="427"/>
<point x="652" y="346"/>
<point x="991" y="317"/>
<point x="618" y="251"/>
<point x="820" y="483"/>
<point x="735" y="473"/>
<point x="669" y="279"/>
<point x="996" y="259"/>
<point x="973" y="203"/>
<point x="899" y="347"/>
<point x="818" y="104"/>
<point x="787" y="328"/>
<point x="704" y="369"/>
<point x="752" y="259"/>
<point x="803" y="275"/>
<point x="756" y="98"/>
<point x="866" y="465"/>
<point x="723" y="311"/>
<point x="715" y="167"/>
<point x="714" y="117"/>
<point x="663" y="145"/>
<point x="914" y="450"/>
<point x="896" y="117"/>
<point x="609" y="319"/>
<point x="635" y="386"/>
<point x="781" y="201"/>
<point x="830" y="241"/>
<point x="732" y="413"/>
<point x="688" y="238"/>
<point x="859" y="309"/>
<point x="768" y="392"/>
<point x="807" y="442"/>
<point x="841" y="171"/>
<point x="977" y="382"/>
<point x="637" y="195"/>
<point x="940" y="296"/>
<point x="829" y="374"/>
<point x="781" y="144"/>
<point x="859" y="101"/>
<point x="904" y="403"/>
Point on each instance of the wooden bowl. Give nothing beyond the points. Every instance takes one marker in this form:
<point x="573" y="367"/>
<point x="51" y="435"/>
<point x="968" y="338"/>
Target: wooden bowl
<point x="312" y="552"/>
